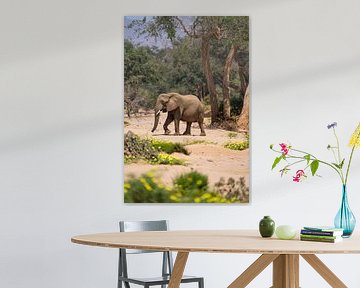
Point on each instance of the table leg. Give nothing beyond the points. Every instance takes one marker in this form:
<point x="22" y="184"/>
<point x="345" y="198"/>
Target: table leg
<point x="286" y="271"/>
<point x="253" y="270"/>
<point x="324" y="271"/>
<point x="178" y="269"/>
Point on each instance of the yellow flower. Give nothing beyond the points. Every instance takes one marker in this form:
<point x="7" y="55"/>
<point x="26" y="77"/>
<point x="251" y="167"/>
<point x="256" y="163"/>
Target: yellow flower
<point x="355" y="138"/>
<point x="146" y="184"/>
<point x="174" y="198"/>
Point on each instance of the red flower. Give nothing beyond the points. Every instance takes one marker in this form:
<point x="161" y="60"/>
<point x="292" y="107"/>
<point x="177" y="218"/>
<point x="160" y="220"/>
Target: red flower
<point x="284" y="148"/>
<point x="299" y="174"/>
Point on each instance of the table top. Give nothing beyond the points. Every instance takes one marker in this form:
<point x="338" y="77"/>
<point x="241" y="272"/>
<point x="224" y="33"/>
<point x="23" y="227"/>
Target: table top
<point x="217" y="241"/>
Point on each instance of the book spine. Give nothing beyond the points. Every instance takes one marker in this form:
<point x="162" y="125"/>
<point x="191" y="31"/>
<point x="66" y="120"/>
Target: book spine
<point x="317" y="239"/>
<point x="320" y="233"/>
<point x="318" y="236"/>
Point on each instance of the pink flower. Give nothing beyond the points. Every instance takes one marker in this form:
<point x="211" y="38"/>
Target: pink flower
<point x="299" y="175"/>
<point x="284" y="148"/>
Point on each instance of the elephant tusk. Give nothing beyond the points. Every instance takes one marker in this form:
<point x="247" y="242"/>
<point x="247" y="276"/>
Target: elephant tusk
<point x="157" y="113"/>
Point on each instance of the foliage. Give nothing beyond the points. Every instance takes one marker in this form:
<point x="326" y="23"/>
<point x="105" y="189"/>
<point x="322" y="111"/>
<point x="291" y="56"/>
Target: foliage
<point x="232" y="135"/>
<point x="233" y="188"/>
<point x="145" y="189"/>
<point x="237" y="145"/>
<point x="193" y="142"/>
<point x="236" y="103"/>
<point x="166" y="159"/>
<point x="191" y="187"/>
<point x="310" y="162"/>
<point x="169" y="147"/>
<point x="192" y="181"/>
<point x="180" y="67"/>
<point x="137" y="148"/>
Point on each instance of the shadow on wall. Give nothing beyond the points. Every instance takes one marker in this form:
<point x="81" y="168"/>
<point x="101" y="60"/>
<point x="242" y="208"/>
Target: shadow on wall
<point x="56" y="134"/>
<point x="309" y="75"/>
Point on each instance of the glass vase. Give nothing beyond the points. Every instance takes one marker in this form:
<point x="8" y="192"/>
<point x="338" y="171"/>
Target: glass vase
<point x="345" y="219"/>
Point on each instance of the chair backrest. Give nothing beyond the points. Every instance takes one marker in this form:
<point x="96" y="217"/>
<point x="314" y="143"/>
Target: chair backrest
<point x="137" y="226"/>
<point x="134" y="226"/>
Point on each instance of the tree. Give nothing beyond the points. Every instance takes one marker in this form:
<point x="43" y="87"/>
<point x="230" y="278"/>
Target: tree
<point x="216" y="42"/>
<point x="141" y="71"/>
<point x="243" y="121"/>
<point x="236" y="31"/>
<point x="243" y="70"/>
<point x="184" y="73"/>
<point x="204" y="28"/>
<point x="226" y="81"/>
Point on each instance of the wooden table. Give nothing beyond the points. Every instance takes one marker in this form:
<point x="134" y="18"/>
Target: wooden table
<point x="284" y="254"/>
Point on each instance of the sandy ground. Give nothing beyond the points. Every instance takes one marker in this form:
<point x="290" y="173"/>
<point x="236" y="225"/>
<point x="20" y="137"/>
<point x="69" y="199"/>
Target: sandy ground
<point x="209" y="158"/>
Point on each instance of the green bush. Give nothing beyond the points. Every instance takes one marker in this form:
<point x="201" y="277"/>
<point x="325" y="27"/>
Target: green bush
<point x="192" y="180"/>
<point x="232" y="134"/>
<point x="193" y="142"/>
<point x="237" y="145"/>
<point x="166" y="159"/>
<point x="169" y="147"/>
<point x="137" y="148"/>
<point x="145" y="189"/>
<point x="189" y="187"/>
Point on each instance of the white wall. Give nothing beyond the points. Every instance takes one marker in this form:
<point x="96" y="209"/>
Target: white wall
<point x="61" y="133"/>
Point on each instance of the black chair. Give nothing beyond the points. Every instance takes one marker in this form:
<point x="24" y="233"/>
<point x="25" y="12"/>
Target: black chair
<point x="167" y="265"/>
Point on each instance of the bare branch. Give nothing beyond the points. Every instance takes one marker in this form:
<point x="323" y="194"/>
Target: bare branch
<point x="194" y="35"/>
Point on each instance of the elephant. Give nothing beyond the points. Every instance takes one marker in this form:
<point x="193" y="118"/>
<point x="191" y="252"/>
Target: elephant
<point x="179" y="107"/>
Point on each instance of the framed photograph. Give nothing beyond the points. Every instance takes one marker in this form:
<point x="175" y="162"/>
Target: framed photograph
<point x="186" y="102"/>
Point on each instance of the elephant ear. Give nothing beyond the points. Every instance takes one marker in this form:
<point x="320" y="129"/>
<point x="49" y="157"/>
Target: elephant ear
<point x="172" y="104"/>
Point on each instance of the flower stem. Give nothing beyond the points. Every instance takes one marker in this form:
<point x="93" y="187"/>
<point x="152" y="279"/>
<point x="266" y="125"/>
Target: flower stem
<point x="348" y="167"/>
<point x="338" y="146"/>
<point x="296" y="162"/>
<point x="320" y="161"/>
<point x="351" y="155"/>
<point x="300" y="151"/>
<point x="339" y="156"/>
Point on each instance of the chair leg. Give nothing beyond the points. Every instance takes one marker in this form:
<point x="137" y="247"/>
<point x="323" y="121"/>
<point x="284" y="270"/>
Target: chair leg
<point x="201" y="283"/>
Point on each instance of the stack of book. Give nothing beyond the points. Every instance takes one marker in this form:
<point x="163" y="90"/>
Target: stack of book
<point x="321" y="234"/>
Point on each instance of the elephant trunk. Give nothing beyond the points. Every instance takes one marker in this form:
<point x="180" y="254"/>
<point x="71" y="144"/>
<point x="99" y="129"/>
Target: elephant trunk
<point x="158" y="108"/>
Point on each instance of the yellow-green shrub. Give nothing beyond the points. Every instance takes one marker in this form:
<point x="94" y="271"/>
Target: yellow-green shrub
<point x="191" y="187"/>
<point x="237" y="145"/>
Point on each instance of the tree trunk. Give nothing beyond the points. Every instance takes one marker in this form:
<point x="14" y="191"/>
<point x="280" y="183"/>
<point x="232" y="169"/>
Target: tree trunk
<point x="226" y="81"/>
<point x="205" y="59"/>
<point x="243" y="121"/>
<point x="244" y="76"/>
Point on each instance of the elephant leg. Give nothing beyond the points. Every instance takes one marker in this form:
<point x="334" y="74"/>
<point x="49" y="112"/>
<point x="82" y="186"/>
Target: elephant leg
<point x="188" y="128"/>
<point x="169" y="119"/>
<point x="201" y="125"/>
<point x="177" y="121"/>
<point x="177" y="126"/>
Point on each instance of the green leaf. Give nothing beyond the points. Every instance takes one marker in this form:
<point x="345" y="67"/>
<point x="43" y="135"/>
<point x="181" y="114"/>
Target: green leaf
<point x="314" y="166"/>
<point x="271" y="146"/>
<point x="339" y="166"/>
<point x="342" y="163"/>
<point x="307" y="157"/>
<point x="284" y="170"/>
<point x="276" y="162"/>
<point x="336" y="165"/>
